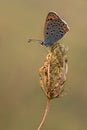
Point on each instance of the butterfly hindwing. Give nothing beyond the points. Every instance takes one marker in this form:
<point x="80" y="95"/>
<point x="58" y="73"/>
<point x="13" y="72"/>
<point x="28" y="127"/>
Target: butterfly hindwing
<point x="55" y="28"/>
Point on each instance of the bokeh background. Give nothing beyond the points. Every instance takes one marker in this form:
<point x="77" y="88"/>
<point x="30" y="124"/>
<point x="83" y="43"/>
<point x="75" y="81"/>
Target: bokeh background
<point x="22" y="101"/>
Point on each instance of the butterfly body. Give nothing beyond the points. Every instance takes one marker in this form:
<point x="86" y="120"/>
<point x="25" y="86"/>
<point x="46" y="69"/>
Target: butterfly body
<point x="55" y="28"/>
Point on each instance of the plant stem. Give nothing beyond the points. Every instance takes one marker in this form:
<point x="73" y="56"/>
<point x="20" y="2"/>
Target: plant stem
<point x="45" y="115"/>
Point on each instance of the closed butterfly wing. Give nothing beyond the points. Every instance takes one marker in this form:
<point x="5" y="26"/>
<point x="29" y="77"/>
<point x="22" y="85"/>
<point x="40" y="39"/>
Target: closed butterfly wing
<point x="55" y="28"/>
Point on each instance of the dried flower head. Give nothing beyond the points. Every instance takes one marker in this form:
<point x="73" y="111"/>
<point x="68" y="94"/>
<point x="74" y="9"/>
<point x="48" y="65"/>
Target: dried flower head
<point x="53" y="72"/>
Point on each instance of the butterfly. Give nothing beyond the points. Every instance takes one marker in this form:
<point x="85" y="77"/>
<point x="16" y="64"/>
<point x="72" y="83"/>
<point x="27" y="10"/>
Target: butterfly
<point x="55" y="28"/>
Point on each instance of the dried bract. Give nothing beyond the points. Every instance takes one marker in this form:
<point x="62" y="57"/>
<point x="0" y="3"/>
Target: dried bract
<point x="53" y="72"/>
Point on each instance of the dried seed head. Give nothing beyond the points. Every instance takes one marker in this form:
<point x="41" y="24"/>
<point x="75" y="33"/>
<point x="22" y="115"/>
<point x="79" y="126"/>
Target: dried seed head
<point x="53" y="72"/>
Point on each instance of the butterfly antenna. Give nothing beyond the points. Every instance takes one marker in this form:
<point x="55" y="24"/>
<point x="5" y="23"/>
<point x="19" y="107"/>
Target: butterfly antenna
<point x="34" y="40"/>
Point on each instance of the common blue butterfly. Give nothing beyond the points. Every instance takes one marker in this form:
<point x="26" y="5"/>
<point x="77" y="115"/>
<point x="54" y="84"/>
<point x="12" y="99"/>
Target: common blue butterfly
<point x="55" y="28"/>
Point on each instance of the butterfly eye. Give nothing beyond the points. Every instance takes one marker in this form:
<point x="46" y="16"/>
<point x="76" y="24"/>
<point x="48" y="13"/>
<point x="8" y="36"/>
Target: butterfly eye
<point x="42" y="43"/>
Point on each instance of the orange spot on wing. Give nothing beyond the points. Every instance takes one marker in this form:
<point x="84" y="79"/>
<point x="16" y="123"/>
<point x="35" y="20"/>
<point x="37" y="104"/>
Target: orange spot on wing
<point x="65" y="29"/>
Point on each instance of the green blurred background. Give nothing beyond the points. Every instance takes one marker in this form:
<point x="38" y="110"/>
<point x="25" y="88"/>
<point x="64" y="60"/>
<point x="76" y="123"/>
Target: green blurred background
<point x="22" y="101"/>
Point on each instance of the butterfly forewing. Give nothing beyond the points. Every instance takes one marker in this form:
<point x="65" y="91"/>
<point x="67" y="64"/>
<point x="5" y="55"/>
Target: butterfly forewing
<point x="55" y="28"/>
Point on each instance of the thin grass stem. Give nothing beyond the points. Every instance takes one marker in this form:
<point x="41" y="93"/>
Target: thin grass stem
<point x="45" y="114"/>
